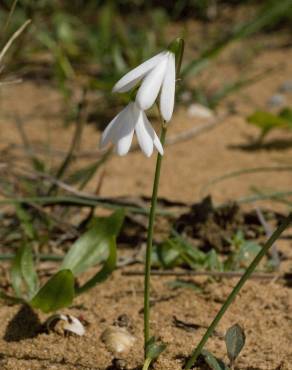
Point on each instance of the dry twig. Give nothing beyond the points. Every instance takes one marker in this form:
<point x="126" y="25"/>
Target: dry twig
<point x="274" y="250"/>
<point x="16" y="34"/>
<point x="226" y="274"/>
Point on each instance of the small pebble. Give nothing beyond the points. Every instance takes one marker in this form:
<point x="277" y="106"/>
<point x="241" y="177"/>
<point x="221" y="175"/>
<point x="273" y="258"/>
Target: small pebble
<point x="186" y="96"/>
<point x="277" y="100"/>
<point x="286" y="87"/>
<point x="117" y="340"/>
<point x="200" y="111"/>
<point x="123" y="321"/>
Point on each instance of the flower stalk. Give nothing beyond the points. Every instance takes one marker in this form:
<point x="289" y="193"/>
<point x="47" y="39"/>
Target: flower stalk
<point x="147" y="363"/>
<point x="177" y="48"/>
<point x="236" y="290"/>
<point x="150" y="240"/>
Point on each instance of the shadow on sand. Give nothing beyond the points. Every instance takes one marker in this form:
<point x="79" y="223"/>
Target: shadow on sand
<point x="25" y="324"/>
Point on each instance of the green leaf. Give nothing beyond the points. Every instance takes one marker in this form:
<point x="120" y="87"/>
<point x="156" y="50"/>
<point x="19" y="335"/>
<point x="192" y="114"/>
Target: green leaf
<point x="247" y="253"/>
<point x="177" y="251"/>
<point x="107" y="269"/>
<point x="28" y="270"/>
<point x="169" y="256"/>
<point x="153" y="349"/>
<point x="94" y="246"/>
<point x="38" y="165"/>
<point x="23" y="272"/>
<point x="234" y="340"/>
<point x="198" y="258"/>
<point x="178" y="283"/>
<point x="26" y="221"/>
<point x="213" y="262"/>
<point x="213" y="362"/>
<point x="10" y="299"/>
<point x="107" y="13"/>
<point x="193" y="252"/>
<point x="58" y="292"/>
<point x="15" y="273"/>
<point x="90" y="249"/>
<point x="267" y="121"/>
<point x="286" y="113"/>
<point x="111" y="225"/>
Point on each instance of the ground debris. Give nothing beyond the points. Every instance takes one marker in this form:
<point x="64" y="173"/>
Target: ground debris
<point x="213" y="227"/>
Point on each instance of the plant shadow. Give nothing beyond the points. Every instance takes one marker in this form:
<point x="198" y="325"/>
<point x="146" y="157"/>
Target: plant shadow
<point x="118" y="365"/>
<point x="272" y="144"/>
<point x="288" y="279"/>
<point x="25" y="324"/>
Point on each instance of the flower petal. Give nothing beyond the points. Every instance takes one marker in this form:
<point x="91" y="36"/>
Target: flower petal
<point x="124" y="143"/>
<point x="124" y="134"/>
<point x="111" y="131"/>
<point x="168" y="89"/>
<point x="151" y="84"/>
<point x="131" y="78"/>
<point x="152" y="133"/>
<point x="144" y="139"/>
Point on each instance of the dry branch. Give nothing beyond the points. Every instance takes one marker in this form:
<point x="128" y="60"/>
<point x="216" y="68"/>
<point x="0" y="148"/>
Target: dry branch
<point x="226" y="274"/>
<point x="16" y="34"/>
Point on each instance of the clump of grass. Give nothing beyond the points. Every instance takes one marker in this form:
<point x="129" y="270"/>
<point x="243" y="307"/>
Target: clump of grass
<point x="97" y="245"/>
<point x="235" y="341"/>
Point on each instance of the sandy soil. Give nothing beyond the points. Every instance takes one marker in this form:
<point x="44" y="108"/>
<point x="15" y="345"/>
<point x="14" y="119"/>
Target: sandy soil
<point x="263" y="308"/>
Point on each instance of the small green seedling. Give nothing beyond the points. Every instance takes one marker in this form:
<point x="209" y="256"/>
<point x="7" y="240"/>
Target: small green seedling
<point x="153" y="351"/>
<point x="234" y="340"/>
<point x="213" y="362"/>
<point x="176" y="251"/>
<point x="242" y="252"/>
<point x="95" y="246"/>
<point x="267" y="121"/>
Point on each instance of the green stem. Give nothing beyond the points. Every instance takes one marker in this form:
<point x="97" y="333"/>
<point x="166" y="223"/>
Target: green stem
<point x="177" y="47"/>
<point x="149" y="242"/>
<point x="236" y="290"/>
<point x="76" y="201"/>
<point x="147" y="363"/>
<point x="42" y="257"/>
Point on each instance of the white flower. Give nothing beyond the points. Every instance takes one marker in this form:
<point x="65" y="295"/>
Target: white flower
<point x="158" y="73"/>
<point x="121" y="129"/>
